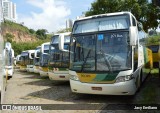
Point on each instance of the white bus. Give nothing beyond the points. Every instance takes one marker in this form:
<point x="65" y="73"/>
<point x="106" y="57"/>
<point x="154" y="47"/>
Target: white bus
<point x="30" y="62"/>
<point x="59" y="57"/>
<point x="3" y="80"/>
<point x="44" y="56"/>
<point x="23" y="61"/>
<point x="18" y="59"/>
<point x="106" y="55"/>
<point x="8" y="53"/>
<point x="36" y="59"/>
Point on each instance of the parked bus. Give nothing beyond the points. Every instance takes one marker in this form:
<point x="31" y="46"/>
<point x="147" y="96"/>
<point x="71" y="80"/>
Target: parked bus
<point x="30" y="62"/>
<point x="59" y="57"/>
<point x="8" y="60"/>
<point x="3" y="80"/>
<point x="23" y="62"/>
<point x="36" y="59"/>
<point x="44" y="56"/>
<point x="155" y="53"/>
<point x="18" y="59"/>
<point x="106" y="55"/>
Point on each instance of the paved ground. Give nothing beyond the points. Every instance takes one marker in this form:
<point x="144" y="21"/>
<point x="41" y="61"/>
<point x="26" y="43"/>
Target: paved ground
<point x="29" y="88"/>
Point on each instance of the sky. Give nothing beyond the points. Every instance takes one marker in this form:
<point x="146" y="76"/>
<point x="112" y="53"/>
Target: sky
<point x="49" y="14"/>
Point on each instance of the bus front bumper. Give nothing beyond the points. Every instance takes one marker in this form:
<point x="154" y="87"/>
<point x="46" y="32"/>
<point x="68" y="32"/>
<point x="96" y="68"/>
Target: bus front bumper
<point x="58" y="76"/>
<point x="22" y="68"/>
<point x="121" y="88"/>
<point x="9" y="71"/>
<point x="31" y="70"/>
<point x="36" y="70"/>
<point x="43" y="74"/>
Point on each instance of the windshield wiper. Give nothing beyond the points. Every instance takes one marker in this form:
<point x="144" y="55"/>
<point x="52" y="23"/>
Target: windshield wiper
<point x="106" y="61"/>
<point x="85" y="60"/>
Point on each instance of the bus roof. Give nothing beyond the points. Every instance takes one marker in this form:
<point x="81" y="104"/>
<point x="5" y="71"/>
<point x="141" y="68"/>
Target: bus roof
<point x="46" y="43"/>
<point x="66" y="33"/>
<point x="30" y="51"/>
<point x="103" y="15"/>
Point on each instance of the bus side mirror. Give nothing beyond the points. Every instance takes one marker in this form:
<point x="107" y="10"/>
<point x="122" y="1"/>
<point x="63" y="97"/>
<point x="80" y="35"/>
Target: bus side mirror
<point x="61" y="43"/>
<point x="133" y="34"/>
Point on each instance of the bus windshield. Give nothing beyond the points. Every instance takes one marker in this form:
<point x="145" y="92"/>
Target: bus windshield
<point x="8" y="58"/>
<point x="102" y="24"/>
<point x="30" y="62"/>
<point x="24" y="58"/>
<point x="44" y="60"/>
<point x="107" y="51"/>
<point x="32" y="55"/>
<point x="46" y="48"/>
<point x="36" y="61"/>
<point x="55" y="39"/>
<point x="59" y="58"/>
<point x="36" y="58"/>
<point x="154" y="48"/>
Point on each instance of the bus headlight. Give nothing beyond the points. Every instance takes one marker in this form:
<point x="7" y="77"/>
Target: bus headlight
<point x="128" y="77"/>
<point x="120" y="79"/>
<point x="123" y="78"/>
<point x="74" y="77"/>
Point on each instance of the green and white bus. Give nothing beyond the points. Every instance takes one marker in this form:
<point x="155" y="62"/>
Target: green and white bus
<point x="23" y="61"/>
<point x="30" y="61"/>
<point x="18" y="59"/>
<point x="37" y="59"/>
<point x="59" y="57"/>
<point x="106" y="56"/>
<point x="44" y="56"/>
<point x="3" y="79"/>
<point x="8" y="53"/>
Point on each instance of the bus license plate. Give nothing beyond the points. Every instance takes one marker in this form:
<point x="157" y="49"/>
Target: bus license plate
<point x="97" y="88"/>
<point x="61" y="76"/>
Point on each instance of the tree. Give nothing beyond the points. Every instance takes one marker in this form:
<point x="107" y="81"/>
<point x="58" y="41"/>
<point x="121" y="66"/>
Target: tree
<point x="32" y="31"/>
<point x="41" y="33"/>
<point x="64" y="30"/>
<point x="104" y="6"/>
<point x="146" y="13"/>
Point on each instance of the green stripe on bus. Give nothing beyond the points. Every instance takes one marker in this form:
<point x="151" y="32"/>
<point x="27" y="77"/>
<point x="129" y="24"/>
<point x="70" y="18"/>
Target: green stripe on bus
<point x="105" y="77"/>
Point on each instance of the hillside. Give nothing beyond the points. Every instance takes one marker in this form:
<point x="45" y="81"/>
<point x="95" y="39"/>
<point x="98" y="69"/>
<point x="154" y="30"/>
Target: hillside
<point x="18" y="32"/>
<point x="23" y="38"/>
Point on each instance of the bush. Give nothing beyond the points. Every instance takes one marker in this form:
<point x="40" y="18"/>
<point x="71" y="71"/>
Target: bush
<point x="8" y="37"/>
<point x="23" y="46"/>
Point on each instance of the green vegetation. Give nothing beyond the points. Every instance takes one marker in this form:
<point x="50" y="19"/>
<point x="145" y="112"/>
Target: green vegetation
<point x="10" y="29"/>
<point x="11" y="26"/>
<point x="155" y="72"/>
<point x="149" y="95"/>
<point x="9" y="37"/>
<point x="153" y="40"/>
<point x="149" y="90"/>
<point x="64" y="30"/>
<point x="146" y="13"/>
<point x="41" y="33"/>
<point x="22" y="46"/>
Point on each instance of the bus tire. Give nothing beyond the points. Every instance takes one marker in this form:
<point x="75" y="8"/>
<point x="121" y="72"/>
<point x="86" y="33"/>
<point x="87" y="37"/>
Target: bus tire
<point x="9" y="77"/>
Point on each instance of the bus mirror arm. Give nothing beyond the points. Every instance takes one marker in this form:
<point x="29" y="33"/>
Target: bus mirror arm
<point x="133" y="34"/>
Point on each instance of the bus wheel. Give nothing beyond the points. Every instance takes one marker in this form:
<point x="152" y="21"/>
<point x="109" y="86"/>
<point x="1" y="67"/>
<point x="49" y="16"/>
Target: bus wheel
<point x="9" y="77"/>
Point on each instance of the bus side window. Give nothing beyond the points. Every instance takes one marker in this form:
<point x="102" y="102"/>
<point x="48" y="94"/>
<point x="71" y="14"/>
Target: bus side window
<point x="133" y="21"/>
<point x="135" y="57"/>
